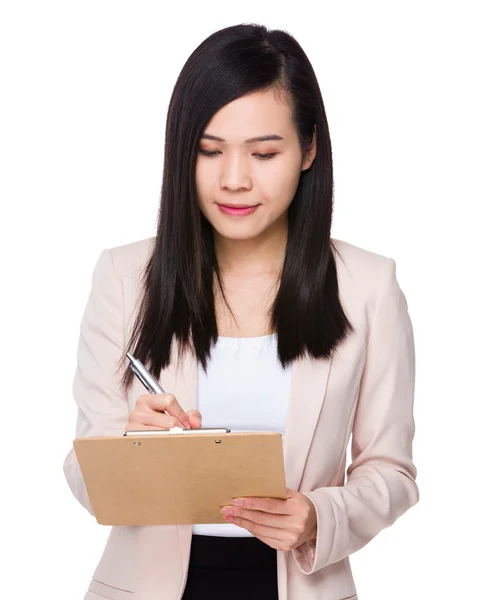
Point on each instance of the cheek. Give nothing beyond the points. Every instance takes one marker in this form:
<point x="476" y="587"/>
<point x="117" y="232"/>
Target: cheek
<point x="201" y="187"/>
<point x="278" y="188"/>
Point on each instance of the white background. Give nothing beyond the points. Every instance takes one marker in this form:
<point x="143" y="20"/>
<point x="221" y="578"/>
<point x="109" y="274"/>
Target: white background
<point x="85" y="89"/>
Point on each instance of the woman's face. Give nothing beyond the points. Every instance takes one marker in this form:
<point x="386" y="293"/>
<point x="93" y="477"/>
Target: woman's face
<point x="264" y="174"/>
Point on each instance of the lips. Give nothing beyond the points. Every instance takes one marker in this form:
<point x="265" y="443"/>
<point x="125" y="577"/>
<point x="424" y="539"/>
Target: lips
<point x="238" y="205"/>
<point x="237" y="210"/>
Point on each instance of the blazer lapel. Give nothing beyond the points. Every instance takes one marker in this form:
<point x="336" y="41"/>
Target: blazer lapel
<point x="180" y="377"/>
<point x="307" y="392"/>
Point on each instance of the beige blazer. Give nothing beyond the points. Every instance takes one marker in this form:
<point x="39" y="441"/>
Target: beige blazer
<point x="367" y="390"/>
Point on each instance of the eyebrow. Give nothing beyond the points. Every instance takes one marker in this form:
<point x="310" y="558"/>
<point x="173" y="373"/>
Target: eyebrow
<point x="260" y="138"/>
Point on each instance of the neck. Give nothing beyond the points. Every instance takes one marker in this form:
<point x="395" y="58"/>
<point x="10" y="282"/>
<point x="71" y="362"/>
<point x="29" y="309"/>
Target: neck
<point x="262" y="255"/>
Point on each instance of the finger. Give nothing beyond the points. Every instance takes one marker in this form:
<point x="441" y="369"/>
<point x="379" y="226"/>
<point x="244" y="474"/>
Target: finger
<point x="263" y="518"/>
<point x="168" y="402"/>
<point x="155" y="419"/>
<point x="257" y="529"/>
<point x="140" y="427"/>
<point x="269" y="505"/>
<point x="165" y="421"/>
<point x="195" y="418"/>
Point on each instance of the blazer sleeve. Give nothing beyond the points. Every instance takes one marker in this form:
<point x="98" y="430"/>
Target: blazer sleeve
<point x="102" y="404"/>
<point x="380" y="483"/>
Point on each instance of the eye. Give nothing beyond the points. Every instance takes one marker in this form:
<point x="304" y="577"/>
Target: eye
<point x="207" y="153"/>
<point x="267" y="156"/>
<point x="260" y="156"/>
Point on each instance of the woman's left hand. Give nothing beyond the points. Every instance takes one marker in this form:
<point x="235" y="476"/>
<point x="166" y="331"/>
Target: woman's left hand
<point x="281" y="524"/>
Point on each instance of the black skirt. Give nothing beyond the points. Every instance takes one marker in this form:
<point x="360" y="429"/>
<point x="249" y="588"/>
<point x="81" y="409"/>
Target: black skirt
<point x="231" y="568"/>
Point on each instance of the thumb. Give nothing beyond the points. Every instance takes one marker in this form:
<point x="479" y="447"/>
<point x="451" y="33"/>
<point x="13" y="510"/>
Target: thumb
<point x="195" y="418"/>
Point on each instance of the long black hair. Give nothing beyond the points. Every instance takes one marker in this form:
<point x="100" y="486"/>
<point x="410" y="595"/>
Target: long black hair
<point x="177" y="294"/>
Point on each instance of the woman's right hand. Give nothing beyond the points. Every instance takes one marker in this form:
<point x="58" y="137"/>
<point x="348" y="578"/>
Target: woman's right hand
<point x="149" y="413"/>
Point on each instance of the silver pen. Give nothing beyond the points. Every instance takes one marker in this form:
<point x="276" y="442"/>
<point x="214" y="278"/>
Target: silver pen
<point x="152" y="385"/>
<point x="145" y="377"/>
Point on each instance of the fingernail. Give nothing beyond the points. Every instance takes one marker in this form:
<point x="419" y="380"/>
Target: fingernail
<point x="186" y="424"/>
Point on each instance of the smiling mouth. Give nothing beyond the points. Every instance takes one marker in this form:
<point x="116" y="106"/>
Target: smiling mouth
<point x="237" y="210"/>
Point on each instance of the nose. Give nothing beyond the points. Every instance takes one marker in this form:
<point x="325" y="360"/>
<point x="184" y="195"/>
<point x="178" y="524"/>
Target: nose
<point x="234" y="175"/>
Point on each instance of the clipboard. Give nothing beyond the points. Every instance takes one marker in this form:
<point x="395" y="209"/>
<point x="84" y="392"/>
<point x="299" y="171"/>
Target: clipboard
<point x="178" y="479"/>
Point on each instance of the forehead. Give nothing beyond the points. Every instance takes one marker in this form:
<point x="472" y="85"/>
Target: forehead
<point x="252" y="115"/>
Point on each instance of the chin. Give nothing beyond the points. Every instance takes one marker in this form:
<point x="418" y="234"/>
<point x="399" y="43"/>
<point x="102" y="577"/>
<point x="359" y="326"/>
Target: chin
<point x="237" y="233"/>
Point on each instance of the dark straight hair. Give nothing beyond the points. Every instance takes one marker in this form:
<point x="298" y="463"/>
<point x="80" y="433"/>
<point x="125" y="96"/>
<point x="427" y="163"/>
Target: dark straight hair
<point x="177" y="293"/>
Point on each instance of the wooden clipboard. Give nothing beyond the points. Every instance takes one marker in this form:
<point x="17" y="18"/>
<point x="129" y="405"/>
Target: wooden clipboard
<point x="178" y="479"/>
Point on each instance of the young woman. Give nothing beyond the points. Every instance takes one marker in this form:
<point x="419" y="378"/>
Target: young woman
<point x="253" y="318"/>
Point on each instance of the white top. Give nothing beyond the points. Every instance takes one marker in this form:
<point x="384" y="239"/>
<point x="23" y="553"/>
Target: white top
<point x="245" y="389"/>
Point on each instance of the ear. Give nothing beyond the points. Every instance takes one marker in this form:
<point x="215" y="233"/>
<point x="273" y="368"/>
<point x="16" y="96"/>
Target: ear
<point x="311" y="151"/>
